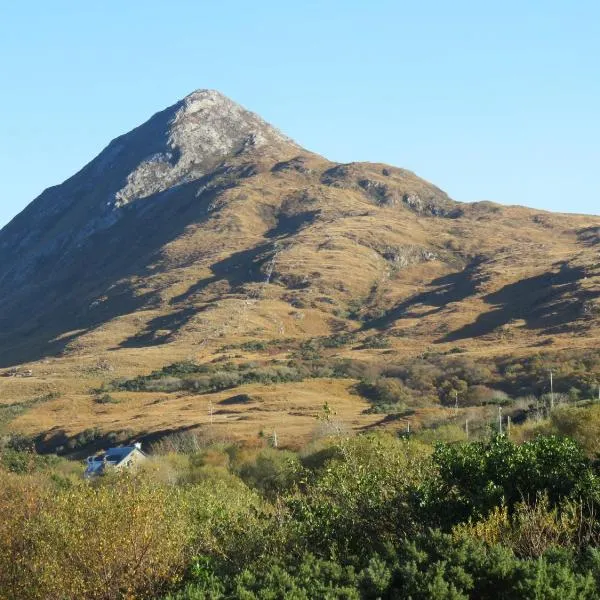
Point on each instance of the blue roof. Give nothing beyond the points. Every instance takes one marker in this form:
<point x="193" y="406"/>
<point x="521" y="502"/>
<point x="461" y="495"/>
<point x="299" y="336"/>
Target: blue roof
<point x="118" y="454"/>
<point x="113" y="456"/>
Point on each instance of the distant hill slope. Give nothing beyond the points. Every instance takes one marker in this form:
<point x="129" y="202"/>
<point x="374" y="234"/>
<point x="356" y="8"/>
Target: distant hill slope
<point x="206" y="226"/>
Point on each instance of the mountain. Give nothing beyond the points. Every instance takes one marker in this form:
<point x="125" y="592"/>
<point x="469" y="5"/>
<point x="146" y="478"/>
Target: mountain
<point x="206" y="228"/>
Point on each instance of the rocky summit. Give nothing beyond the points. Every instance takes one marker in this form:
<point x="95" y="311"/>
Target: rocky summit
<point x="205" y="235"/>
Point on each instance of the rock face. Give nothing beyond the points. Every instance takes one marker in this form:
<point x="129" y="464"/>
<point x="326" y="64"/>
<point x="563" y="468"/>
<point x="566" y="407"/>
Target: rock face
<point x="178" y="145"/>
<point x="205" y="128"/>
<point x="207" y="206"/>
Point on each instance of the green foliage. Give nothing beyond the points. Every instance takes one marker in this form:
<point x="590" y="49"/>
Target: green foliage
<point x="203" y="379"/>
<point x="580" y="424"/>
<point x="387" y="395"/>
<point x="476" y="477"/>
<point x="365" y="493"/>
<point x="26" y="461"/>
<point x="578" y="369"/>
<point x="372" y="516"/>
<point x="272" y="472"/>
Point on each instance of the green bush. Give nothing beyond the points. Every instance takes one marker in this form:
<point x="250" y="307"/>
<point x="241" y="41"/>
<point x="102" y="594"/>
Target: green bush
<point x="272" y="472"/>
<point x="386" y="395"/>
<point x="474" y="478"/>
<point x="371" y="516"/>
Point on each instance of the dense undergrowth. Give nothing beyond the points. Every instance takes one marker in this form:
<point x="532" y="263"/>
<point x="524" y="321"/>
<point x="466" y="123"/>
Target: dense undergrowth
<point x="371" y="516"/>
<point x="521" y="386"/>
<point x="437" y="377"/>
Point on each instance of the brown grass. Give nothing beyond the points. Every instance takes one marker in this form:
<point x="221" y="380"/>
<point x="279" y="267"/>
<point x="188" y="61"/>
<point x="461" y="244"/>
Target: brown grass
<point x="206" y="289"/>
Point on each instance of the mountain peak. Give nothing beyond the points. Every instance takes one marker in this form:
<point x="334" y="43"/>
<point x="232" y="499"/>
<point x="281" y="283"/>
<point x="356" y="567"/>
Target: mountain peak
<point x="205" y="233"/>
<point x="178" y="145"/>
<point x="200" y="131"/>
<point x="204" y="95"/>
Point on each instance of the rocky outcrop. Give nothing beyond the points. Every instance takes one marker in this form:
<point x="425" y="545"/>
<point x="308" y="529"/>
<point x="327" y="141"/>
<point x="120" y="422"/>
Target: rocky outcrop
<point x="178" y="145"/>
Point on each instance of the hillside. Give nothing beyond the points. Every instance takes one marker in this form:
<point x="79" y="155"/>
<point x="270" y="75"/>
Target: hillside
<point x="207" y="235"/>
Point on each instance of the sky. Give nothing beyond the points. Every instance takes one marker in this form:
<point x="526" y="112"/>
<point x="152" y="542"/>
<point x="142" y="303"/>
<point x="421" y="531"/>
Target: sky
<point x="488" y="100"/>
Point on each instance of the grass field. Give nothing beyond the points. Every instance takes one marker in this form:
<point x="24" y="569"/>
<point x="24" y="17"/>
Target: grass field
<point x="287" y="256"/>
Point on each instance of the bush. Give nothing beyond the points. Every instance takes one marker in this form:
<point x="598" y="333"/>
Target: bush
<point x="481" y="394"/>
<point x="580" y="424"/>
<point x="106" y="399"/>
<point x="272" y="472"/>
<point x="386" y="395"/>
<point x="372" y="516"/>
<point x="21" y="501"/>
<point x="113" y="540"/>
<point x="109" y="541"/>
<point x="478" y="476"/>
<point x="364" y="495"/>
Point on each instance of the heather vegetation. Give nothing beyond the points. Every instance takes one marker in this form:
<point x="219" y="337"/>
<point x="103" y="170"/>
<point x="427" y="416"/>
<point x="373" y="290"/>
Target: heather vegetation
<point x="433" y="379"/>
<point x="451" y="508"/>
<point x="366" y="516"/>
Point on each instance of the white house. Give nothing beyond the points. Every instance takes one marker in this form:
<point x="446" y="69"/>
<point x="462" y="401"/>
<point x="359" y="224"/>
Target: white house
<point x="114" y="458"/>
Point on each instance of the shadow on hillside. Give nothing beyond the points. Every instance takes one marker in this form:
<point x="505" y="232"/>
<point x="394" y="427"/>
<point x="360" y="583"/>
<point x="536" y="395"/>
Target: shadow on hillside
<point x="288" y="225"/>
<point x="47" y="314"/>
<point x="542" y="301"/>
<point x="160" y="330"/>
<point x="76" y="446"/>
<point x="237" y="269"/>
<point x="449" y="288"/>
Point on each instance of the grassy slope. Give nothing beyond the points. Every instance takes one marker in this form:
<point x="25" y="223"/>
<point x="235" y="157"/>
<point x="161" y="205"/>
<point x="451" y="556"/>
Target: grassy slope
<point x="494" y="280"/>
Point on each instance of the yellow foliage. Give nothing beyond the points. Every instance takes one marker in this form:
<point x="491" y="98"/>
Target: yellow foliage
<point x="21" y="500"/>
<point x="530" y="530"/>
<point x="123" y="538"/>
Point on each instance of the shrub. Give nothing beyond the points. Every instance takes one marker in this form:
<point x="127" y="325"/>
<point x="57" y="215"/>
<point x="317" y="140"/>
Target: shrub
<point x="21" y="501"/>
<point x="387" y="395"/>
<point x="272" y="472"/>
<point x="477" y="476"/>
<point x="110" y="541"/>
<point x="581" y="424"/>
<point x="364" y="495"/>
<point x="106" y="399"/>
<point x="481" y="394"/>
<point x="532" y="529"/>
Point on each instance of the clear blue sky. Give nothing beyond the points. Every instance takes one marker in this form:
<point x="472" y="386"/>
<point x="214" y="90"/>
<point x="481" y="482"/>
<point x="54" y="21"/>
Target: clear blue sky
<point x="488" y="100"/>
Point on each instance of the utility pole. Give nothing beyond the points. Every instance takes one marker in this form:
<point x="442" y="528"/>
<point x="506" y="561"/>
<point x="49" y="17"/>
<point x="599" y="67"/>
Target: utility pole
<point x="455" y="402"/>
<point x="508" y="426"/>
<point x="275" y="440"/>
<point x="210" y="411"/>
<point x="551" y="392"/>
<point x="407" y="426"/>
<point x="500" y="420"/>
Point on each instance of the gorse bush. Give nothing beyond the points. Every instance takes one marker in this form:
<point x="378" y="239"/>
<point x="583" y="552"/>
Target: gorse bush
<point x="476" y="477"/>
<point x="372" y="516"/>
